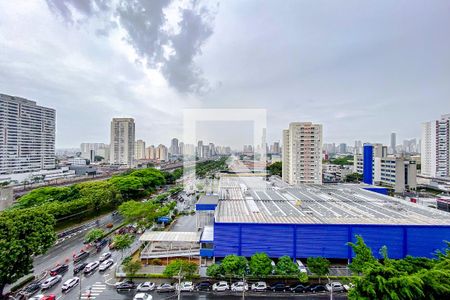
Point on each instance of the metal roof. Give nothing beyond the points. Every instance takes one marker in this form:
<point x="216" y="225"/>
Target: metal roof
<point x="208" y="234"/>
<point x="244" y="200"/>
<point x="208" y="199"/>
<point x="170" y="236"/>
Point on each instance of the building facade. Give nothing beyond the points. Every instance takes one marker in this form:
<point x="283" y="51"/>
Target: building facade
<point x="302" y="153"/>
<point x="162" y="153"/>
<point x="435" y="144"/>
<point x="174" y="147"/>
<point x="27" y="136"/>
<point x="122" y="141"/>
<point x="139" y="151"/>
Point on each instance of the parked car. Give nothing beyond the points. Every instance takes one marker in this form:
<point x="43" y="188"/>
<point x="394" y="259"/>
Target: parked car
<point x="203" y="286"/>
<point x="80" y="256"/>
<point x="69" y="284"/>
<point x="78" y="268"/>
<point x="220" y="286"/>
<point x="105" y="265"/>
<point x="298" y="288"/>
<point x="316" y="288"/>
<point x="121" y="282"/>
<point x="186" y="286"/>
<point x="278" y="287"/>
<point x="51" y="281"/>
<point x="126" y="286"/>
<point x="142" y="296"/>
<point x="239" y="286"/>
<point x="165" y="288"/>
<point x="105" y="256"/>
<point x="91" y="267"/>
<point x="60" y="269"/>
<point x="336" y="286"/>
<point x="31" y="289"/>
<point x="348" y="287"/>
<point x="259" y="286"/>
<point x="146" y="286"/>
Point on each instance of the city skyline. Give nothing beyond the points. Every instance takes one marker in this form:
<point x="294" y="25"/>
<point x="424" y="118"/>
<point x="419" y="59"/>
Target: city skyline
<point x="338" y="76"/>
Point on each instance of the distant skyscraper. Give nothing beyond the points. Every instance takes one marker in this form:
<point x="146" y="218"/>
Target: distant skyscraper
<point x="200" y="149"/>
<point x="150" y="152"/>
<point x="358" y="147"/>
<point x="27" y="136"/>
<point x="393" y="142"/>
<point x="174" y="149"/>
<point x="302" y="153"/>
<point x="162" y="153"/>
<point x="181" y="148"/>
<point x="435" y="143"/>
<point x="342" y="148"/>
<point x="122" y="141"/>
<point x="89" y="150"/>
<point x="139" y="150"/>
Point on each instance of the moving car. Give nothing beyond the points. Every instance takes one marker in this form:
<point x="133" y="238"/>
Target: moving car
<point x="78" y="268"/>
<point x="80" y="256"/>
<point x="278" y="287"/>
<point x="239" y="286"/>
<point x="165" y="288"/>
<point x="31" y="289"/>
<point x="220" y="286"/>
<point x="126" y="286"/>
<point x="43" y="297"/>
<point x="51" y="281"/>
<point x="106" y="264"/>
<point x="336" y="286"/>
<point x="69" y="284"/>
<point x="203" y="286"/>
<point x="259" y="286"/>
<point x="298" y="288"/>
<point x="91" y="267"/>
<point x="60" y="269"/>
<point x="142" y="296"/>
<point x="316" y="288"/>
<point x="186" y="286"/>
<point x="146" y="286"/>
<point x="105" y="256"/>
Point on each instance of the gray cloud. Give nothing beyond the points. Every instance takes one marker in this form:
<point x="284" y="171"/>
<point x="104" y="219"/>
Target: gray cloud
<point x="145" y="24"/>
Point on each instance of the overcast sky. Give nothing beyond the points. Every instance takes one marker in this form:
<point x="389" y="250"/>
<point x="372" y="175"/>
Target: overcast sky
<point x="361" y="68"/>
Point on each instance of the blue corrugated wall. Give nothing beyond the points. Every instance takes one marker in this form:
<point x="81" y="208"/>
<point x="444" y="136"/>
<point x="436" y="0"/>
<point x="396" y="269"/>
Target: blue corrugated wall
<point x="367" y="164"/>
<point x="309" y="240"/>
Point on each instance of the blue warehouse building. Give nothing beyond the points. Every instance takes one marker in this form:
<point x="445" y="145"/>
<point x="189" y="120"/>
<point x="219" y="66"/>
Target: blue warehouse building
<point x="254" y="215"/>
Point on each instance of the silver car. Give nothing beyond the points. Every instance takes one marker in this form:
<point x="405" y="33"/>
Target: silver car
<point x="146" y="286"/>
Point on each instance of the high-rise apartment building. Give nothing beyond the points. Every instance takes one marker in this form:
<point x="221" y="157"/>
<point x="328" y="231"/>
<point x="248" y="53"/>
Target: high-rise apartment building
<point x="90" y="150"/>
<point x="174" y="147"/>
<point x="27" y="136"/>
<point x="150" y="152"/>
<point x="302" y="153"/>
<point x="435" y="152"/>
<point x="393" y="145"/>
<point x="162" y="153"/>
<point x="200" y="153"/>
<point x="139" y="150"/>
<point x="122" y="141"/>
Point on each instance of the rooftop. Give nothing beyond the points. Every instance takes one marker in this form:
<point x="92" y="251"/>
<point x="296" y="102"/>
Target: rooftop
<point x="170" y="236"/>
<point x="254" y="200"/>
<point x="208" y="199"/>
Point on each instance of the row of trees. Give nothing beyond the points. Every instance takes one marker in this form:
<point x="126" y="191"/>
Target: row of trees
<point x="206" y="167"/>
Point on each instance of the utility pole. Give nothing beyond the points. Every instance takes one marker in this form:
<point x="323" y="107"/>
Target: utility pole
<point x="179" y="284"/>
<point x="79" y="295"/>
<point x="243" y="287"/>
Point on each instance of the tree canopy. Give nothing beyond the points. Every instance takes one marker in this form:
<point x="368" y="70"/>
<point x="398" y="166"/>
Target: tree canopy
<point x="94" y="234"/>
<point x="285" y="266"/>
<point x="234" y="265"/>
<point x="275" y="168"/>
<point x="260" y="264"/>
<point x="180" y="267"/>
<point x="318" y="265"/>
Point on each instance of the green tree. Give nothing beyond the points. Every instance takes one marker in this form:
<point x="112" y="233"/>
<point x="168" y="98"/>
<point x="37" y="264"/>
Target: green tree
<point x="260" y="264"/>
<point x="318" y="265"/>
<point x="353" y="177"/>
<point x="285" y="266"/>
<point x="215" y="271"/>
<point x="363" y="255"/>
<point x="303" y="277"/>
<point x="94" y="234"/>
<point x="23" y="234"/>
<point x="234" y="265"/>
<point x="275" y="168"/>
<point x="180" y="267"/>
<point x="123" y="241"/>
<point x="131" y="267"/>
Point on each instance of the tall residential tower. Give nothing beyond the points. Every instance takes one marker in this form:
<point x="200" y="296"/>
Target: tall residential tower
<point x="302" y="153"/>
<point x="435" y="152"/>
<point x="122" y="141"/>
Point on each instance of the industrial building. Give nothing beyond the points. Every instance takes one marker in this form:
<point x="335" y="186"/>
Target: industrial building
<point x="255" y="215"/>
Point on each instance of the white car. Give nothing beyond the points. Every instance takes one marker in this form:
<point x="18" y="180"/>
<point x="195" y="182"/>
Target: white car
<point x="105" y="265"/>
<point x="301" y="266"/>
<point x="259" y="286"/>
<point x="336" y="286"/>
<point x="49" y="282"/>
<point x="91" y="266"/>
<point x="69" y="284"/>
<point x="239" y="286"/>
<point x="105" y="256"/>
<point x="146" y="286"/>
<point x="142" y="296"/>
<point x="220" y="286"/>
<point x="37" y="297"/>
<point x="186" y="286"/>
<point x="349" y="286"/>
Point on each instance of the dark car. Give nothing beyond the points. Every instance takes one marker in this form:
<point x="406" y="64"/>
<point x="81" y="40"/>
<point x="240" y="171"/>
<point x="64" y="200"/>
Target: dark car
<point x="298" y="288"/>
<point x="102" y="243"/>
<point x="61" y="269"/>
<point x="278" y="287"/>
<point x="78" y="268"/>
<point x="31" y="289"/>
<point x="316" y="288"/>
<point x="203" y="286"/>
<point x="80" y="256"/>
<point x="126" y="286"/>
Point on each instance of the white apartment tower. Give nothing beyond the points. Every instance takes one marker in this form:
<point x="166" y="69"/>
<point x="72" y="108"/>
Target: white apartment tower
<point x="27" y="136"/>
<point x="122" y="141"/>
<point x="139" y="149"/>
<point x="435" y="148"/>
<point x="302" y="153"/>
